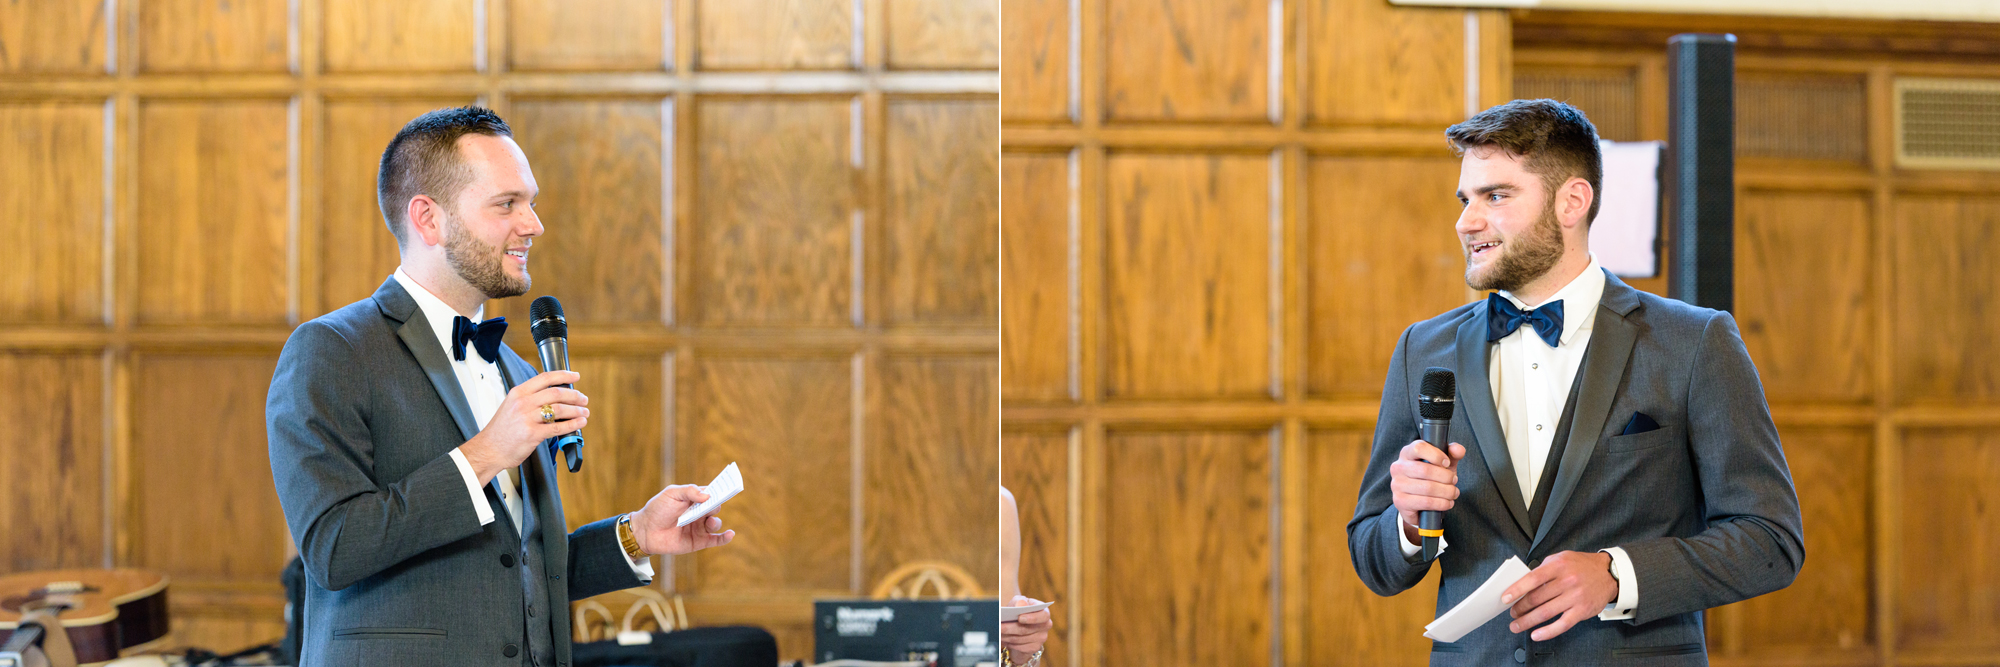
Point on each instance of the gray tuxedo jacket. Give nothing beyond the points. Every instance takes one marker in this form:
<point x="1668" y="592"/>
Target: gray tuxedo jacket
<point x="1704" y="505"/>
<point x="363" y="410"/>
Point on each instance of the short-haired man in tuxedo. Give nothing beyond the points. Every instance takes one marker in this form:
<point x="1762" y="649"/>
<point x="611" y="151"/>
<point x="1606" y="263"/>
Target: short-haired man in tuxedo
<point x="410" y="447"/>
<point x="1619" y="442"/>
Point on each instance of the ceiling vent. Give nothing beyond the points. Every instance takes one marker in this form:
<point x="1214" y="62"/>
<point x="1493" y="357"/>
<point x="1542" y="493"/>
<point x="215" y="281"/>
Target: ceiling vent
<point x="1948" y="123"/>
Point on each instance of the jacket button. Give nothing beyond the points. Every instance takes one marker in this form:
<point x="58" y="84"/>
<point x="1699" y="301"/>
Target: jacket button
<point x="1520" y="654"/>
<point x="1534" y="563"/>
<point x="531" y="611"/>
<point x="507" y="560"/>
<point x="513" y="650"/>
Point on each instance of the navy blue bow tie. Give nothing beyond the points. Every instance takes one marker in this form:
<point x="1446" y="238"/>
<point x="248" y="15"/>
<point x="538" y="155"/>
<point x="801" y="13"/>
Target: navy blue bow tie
<point x="484" y="336"/>
<point x="1502" y="318"/>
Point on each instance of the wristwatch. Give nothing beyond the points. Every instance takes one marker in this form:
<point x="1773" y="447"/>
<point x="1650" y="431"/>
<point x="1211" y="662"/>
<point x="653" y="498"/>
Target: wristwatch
<point x="629" y="540"/>
<point x="1007" y="658"/>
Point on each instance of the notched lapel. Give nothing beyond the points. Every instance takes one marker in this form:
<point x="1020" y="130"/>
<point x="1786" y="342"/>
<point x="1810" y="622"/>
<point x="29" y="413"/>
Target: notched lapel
<point x="1475" y="398"/>
<point x="1603" y="371"/>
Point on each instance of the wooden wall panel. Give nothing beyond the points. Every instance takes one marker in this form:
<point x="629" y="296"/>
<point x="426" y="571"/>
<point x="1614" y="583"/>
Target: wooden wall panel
<point x="625" y="442"/>
<point x="1814" y="117"/>
<point x="1188" y="276"/>
<point x="552" y="35"/>
<point x="775" y="199"/>
<point x="198" y="418"/>
<point x="52" y="211"/>
<point x="942" y="212"/>
<point x="1344" y="621"/>
<point x="1950" y="542"/>
<point x="1187" y="61"/>
<point x="598" y="165"/>
<point x="1608" y="96"/>
<point x="401" y="36"/>
<point x="1947" y="272"/>
<point x="213" y="179"/>
<point x="53" y="37"/>
<point x="1188" y="546"/>
<point x="1415" y="64"/>
<point x="931" y="486"/>
<point x="944" y="34"/>
<point x="1035" y="467"/>
<point x="776" y="34"/>
<point x="1035" y="45"/>
<point x="1035" y="268"/>
<point x="52" y="478"/>
<point x="357" y="250"/>
<point x="1381" y="255"/>
<point x="1807" y="317"/>
<point x="803" y="513"/>
<point x="214" y="35"/>
<point x="1829" y="607"/>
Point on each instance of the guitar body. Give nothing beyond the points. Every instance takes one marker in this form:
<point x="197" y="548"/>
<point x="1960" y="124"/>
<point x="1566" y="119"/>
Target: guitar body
<point x="103" y="611"/>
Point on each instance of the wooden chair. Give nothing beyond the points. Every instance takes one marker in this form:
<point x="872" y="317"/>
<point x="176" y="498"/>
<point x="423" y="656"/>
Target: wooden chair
<point x="595" y="619"/>
<point x="948" y="580"/>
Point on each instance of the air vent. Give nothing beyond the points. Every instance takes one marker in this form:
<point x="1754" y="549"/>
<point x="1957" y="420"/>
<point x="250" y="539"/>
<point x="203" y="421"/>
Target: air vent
<point x="1948" y="123"/>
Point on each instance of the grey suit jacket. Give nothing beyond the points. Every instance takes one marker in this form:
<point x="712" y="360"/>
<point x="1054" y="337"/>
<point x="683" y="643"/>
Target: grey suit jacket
<point x="1704" y="506"/>
<point x="362" y="413"/>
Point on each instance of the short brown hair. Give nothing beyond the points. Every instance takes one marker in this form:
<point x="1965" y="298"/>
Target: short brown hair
<point x="423" y="159"/>
<point x="1554" y="140"/>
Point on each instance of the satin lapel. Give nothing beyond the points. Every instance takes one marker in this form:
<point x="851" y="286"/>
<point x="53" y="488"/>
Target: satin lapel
<point x="422" y="341"/>
<point x="541" y="487"/>
<point x="1603" y="369"/>
<point x="1475" y="396"/>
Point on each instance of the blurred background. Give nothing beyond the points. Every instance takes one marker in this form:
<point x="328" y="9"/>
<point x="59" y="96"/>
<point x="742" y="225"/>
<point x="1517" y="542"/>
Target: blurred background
<point x="772" y="223"/>
<point x="1221" y="213"/>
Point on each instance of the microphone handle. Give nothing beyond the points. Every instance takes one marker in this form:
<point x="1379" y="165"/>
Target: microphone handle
<point x="555" y="357"/>
<point x="1438" y="433"/>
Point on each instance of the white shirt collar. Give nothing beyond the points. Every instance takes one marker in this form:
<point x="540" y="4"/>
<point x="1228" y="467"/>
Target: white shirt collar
<point x="435" y="310"/>
<point x="1580" y="298"/>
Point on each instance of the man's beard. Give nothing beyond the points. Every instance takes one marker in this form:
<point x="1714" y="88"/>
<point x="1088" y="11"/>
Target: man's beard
<point x="478" y="264"/>
<point x="1522" y="259"/>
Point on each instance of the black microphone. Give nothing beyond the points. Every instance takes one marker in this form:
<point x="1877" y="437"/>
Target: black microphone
<point x="545" y="320"/>
<point x="1434" y="404"/>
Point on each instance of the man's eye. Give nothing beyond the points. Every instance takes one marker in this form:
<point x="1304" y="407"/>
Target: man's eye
<point x="509" y="205"/>
<point x="1494" y="197"/>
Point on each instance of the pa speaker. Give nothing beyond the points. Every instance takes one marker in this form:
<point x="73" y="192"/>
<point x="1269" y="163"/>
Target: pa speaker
<point x="1701" y="168"/>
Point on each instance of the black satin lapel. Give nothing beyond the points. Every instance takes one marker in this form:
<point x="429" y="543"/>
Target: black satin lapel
<point x="422" y="341"/>
<point x="1475" y="398"/>
<point x="1603" y="369"/>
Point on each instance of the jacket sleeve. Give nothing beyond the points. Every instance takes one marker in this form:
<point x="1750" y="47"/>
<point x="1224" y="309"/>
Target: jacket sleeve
<point x="597" y="563"/>
<point x="1371" y="534"/>
<point x="347" y="525"/>
<point x="1755" y="541"/>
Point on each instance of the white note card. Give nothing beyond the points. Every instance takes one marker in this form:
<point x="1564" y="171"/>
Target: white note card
<point x="1009" y="614"/>
<point x="725" y="486"/>
<point x="1479" y="607"/>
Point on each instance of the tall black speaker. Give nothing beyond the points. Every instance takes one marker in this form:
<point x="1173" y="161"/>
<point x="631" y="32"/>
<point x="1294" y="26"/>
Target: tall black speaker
<point x="1701" y="168"/>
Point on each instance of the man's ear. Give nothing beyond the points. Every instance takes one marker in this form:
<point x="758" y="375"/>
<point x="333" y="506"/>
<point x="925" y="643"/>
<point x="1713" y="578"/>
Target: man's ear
<point x="425" y="219"/>
<point x="1573" y="202"/>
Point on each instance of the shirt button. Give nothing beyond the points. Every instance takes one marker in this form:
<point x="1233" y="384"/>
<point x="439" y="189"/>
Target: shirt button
<point x="1534" y="366"/>
<point x="1538" y="427"/>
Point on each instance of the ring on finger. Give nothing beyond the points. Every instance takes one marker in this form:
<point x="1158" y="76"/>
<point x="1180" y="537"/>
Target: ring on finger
<point x="548" y="413"/>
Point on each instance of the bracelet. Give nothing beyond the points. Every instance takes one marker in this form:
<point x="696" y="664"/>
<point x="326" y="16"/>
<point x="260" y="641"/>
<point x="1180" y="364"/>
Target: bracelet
<point x="629" y="540"/>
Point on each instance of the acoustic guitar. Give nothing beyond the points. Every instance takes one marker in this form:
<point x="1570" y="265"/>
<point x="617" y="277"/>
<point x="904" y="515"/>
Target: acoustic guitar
<point x="102" y="611"/>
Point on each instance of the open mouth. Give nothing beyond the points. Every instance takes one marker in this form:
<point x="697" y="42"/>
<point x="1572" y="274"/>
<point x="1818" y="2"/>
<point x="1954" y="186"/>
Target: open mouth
<point x="519" y="254"/>
<point x="1484" y="247"/>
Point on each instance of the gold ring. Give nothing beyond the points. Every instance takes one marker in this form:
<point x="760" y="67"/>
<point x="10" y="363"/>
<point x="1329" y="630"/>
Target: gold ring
<point x="548" y="413"/>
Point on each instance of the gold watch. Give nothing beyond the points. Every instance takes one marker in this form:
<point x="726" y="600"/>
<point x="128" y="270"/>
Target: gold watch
<point x="629" y="540"/>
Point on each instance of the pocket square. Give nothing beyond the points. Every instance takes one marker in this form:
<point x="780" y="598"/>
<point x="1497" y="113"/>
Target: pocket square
<point x="1640" y="424"/>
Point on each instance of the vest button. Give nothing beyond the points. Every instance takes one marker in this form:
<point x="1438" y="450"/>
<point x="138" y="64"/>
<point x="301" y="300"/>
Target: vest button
<point x="507" y="560"/>
<point x="1520" y="654"/>
<point x="510" y="651"/>
<point x="531" y="611"/>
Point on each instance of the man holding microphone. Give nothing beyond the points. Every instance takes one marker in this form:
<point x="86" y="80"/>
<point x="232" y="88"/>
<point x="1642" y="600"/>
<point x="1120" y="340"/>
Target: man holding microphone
<point x="408" y="443"/>
<point x="1617" y="442"/>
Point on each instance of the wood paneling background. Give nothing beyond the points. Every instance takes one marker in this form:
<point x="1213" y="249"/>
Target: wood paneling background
<point x="773" y="223"/>
<point x="1203" y="283"/>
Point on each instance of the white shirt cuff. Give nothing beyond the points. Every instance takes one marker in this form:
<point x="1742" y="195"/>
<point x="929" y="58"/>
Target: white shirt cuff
<point x="1628" y="587"/>
<point x="642" y="567"/>
<point x="479" y="503"/>
<point x="1411" y="549"/>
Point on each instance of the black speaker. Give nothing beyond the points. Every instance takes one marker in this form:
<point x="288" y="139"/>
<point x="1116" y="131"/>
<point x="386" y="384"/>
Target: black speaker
<point x="1701" y="168"/>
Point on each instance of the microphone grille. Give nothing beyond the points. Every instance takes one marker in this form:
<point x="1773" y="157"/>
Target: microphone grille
<point x="1438" y="382"/>
<point x="545" y="319"/>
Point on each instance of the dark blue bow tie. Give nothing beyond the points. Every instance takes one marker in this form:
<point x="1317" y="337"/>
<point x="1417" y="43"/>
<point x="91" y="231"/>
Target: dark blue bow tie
<point x="1502" y="318"/>
<point x="484" y="336"/>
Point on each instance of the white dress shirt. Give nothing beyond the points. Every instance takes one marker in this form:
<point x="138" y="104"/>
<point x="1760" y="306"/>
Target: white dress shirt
<point x="1531" y="383"/>
<point x="484" y="390"/>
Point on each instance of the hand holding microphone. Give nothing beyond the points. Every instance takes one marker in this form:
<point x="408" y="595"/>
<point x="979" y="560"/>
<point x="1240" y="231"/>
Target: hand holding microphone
<point x="545" y="320"/>
<point x="1424" y="480"/>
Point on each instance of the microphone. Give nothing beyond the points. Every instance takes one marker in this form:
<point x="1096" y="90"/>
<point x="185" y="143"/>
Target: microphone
<point x="1434" y="404"/>
<point x="545" y="320"/>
